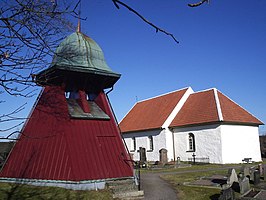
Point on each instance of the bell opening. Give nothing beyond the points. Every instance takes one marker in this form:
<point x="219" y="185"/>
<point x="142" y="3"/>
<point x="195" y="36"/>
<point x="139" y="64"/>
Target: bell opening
<point x="82" y="105"/>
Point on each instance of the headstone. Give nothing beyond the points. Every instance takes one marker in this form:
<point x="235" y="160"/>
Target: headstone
<point x="264" y="171"/>
<point x="260" y="169"/>
<point x="256" y="177"/>
<point x="178" y="161"/>
<point x="227" y="194"/>
<point x="245" y="170"/>
<point x="142" y="153"/>
<point x="244" y="185"/>
<point x="163" y="156"/>
<point x="232" y="177"/>
<point x="252" y="170"/>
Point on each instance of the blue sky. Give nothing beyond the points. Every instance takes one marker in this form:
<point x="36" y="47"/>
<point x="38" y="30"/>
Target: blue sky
<point x="222" y="45"/>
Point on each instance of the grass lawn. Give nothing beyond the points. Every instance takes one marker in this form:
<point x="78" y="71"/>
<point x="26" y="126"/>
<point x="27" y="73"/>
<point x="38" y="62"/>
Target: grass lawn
<point x="21" y="192"/>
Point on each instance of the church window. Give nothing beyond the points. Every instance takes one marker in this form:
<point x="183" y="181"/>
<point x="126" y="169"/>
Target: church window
<point x="191" y="142"/>
<point x="150" y="143"/>
<point x="133" y="144"/>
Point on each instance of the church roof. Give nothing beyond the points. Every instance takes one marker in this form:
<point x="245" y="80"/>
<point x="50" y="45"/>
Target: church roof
<point x="203" y="107"/>
<point x="199" y="108"/>
<point x="232" y="112"/>
<point x="212" y="106"/>
<point x="151" y="113"/>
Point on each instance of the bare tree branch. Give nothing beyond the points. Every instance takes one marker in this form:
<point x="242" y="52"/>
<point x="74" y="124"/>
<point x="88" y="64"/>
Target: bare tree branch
<point x="199" y="3"/>
<point x="30" y="31"/>
<point x="157" y="29"/>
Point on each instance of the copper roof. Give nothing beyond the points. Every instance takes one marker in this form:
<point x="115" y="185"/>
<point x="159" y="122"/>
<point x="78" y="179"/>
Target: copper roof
<point x="78" y="63"/>
<point x="209" y="106"/>
<point x="151" y="113"/>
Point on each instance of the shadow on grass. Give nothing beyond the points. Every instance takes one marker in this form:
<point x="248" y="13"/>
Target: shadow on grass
<point x="215" y="197"/>
<point x="13" y="191"/>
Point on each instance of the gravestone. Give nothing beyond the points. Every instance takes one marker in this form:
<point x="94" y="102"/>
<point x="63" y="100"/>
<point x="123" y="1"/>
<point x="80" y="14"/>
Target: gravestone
<point x="227" y="194"/>
<point x="260" y="167"/>
<point x="252" y="170"/>
<point x="163" y="156"/>
<point x="142" y="155"/>
<point x="178" y="161"/>
<point x="264" y="171"/>
<point x="244" y="185"/>
<point x="245" y="170"/>
<point x="256" y="177"/>
<point x="232" y="177"/>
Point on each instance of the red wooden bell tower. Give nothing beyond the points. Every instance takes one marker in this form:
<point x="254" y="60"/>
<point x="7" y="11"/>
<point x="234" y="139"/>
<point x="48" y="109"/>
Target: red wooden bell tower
<point x="71" y="138"/>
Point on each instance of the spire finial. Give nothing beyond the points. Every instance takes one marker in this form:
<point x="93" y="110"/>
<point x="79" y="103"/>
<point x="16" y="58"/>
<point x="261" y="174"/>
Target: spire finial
<point x="79" y="25"/>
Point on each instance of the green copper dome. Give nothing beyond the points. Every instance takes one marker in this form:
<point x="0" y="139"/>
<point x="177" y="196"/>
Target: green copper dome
<point x="78" y="63"/>
<point x="80" y="52"/>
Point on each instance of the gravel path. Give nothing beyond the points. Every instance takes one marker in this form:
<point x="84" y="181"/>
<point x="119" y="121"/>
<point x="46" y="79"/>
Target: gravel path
<point x="155" y="188"/>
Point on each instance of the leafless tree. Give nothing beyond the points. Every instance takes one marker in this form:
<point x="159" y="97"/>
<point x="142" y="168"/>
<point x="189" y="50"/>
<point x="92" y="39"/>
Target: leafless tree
<point x="30" y="30"/>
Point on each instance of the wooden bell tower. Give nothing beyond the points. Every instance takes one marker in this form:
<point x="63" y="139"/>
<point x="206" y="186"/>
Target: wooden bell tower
<point x="71" y="138"/>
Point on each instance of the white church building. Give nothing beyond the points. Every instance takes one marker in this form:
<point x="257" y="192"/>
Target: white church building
<point x="204" y="124"/>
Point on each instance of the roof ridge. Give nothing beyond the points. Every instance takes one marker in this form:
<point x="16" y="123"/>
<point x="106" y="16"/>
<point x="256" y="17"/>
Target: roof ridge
<point x="218" y="105"/>
<point x="205" y="90"/>
<point x="185" y="88"/>
<point x="177" y="107"/>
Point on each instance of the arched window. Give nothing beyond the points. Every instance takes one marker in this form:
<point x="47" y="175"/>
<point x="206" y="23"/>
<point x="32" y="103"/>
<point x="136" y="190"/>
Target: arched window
<point x="191" y="142"/>
<point x="150" y="143"/>
<point x="133" y="144"/>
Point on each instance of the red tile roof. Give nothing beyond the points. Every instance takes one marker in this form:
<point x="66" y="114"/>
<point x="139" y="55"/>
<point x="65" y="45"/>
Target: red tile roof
<point x="232" y="112"/>
<point x="199" y="108"/>
<point x="151" y="113"/>
<point x="209" y="106"/>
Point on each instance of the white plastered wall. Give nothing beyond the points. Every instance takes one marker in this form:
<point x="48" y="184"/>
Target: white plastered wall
<point x="207" y="142"/>
<point x="238" y="142"/>
<point x="159" y="142"/>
